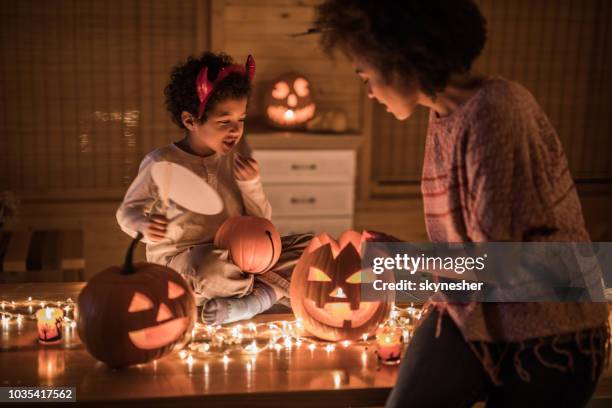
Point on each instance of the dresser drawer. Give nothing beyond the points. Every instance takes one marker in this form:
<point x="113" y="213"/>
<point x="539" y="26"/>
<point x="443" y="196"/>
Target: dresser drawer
<point x="306" y="166"/>
<point x="294" y="225"/>
<point x="306" y="199"/>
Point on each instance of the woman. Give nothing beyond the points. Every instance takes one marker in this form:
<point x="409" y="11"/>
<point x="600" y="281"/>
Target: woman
<point x="494" y="170"/>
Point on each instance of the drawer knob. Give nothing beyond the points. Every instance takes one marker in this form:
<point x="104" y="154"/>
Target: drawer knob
<point x="303" y="167"/>
<point x="308" y="200"/>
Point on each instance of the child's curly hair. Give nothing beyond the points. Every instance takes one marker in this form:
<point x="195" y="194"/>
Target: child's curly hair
<point x="422" y="40"/>
<point x="181" y="94"/>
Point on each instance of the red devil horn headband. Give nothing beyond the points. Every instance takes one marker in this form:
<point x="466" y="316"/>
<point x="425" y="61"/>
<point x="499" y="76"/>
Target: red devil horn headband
<point x="205" y="87"/>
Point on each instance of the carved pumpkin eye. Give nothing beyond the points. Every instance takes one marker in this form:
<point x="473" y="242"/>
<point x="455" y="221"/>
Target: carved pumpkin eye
<point x="174" y="290"/>
<point x="280" y="91"/>
<point x="301" y="87"/>
<point x="140" y="303"/>
<point x="354" y="278"/>
<point x="317" y="275"/>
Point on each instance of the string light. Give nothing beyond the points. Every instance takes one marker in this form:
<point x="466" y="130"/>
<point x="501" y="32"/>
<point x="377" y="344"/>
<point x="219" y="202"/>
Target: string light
<point x="208" y="341"/>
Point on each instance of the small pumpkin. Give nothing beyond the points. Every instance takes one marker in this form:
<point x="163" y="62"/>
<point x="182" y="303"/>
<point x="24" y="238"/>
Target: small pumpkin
<point x="135" y="313"/>
<point x="289" y="102"/>
<point x="254" y="243"/>
<point x="326" y="288"/>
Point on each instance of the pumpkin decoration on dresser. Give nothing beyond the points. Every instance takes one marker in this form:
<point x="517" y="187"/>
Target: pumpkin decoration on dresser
<point x="326" y="288"/>
<point x="253" y="243"/>
<point x="290" y="103"/>
<point x="135" y="313"/>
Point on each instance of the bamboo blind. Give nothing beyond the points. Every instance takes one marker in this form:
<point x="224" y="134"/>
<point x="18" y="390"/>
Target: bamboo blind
<point x="81" y="88"/>
<point x="561" y="50"/>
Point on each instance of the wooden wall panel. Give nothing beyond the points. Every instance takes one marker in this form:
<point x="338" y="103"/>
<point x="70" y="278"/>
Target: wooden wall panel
<point x="561" y="51"/>
<point x="81" y="85"/>
<point x="265" y="29"/>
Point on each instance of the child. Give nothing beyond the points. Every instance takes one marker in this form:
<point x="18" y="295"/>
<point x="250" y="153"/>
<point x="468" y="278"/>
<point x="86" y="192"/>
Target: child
<point x="207" y="98"/>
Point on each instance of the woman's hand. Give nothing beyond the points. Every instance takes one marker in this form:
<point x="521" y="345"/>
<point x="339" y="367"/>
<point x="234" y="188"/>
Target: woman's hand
<point x="155" y="228"/>
<point x="245" y="168"/>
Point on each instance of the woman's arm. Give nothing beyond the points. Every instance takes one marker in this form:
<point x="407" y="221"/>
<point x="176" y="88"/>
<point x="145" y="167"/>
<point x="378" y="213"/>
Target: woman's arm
<point x="514" y="171"/>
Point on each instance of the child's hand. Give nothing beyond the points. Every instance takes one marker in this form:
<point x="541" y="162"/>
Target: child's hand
<point x="155" y="228"/>
<point x="245" y="168"/>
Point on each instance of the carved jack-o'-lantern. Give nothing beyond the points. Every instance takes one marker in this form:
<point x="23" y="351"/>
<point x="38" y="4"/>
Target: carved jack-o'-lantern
<point x="290" y="104"/>
<point x="326" y="289"/>
<point x="254" y="243"/>
<point x="135" y="313"/>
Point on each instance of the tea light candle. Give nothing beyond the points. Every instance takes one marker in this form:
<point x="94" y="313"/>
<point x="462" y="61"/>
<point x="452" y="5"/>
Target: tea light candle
<point x="389" y="342"/>
<point x="49" y="322"/>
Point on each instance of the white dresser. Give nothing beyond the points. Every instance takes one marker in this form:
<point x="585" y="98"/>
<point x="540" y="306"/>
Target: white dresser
<point x="310" y="190"/>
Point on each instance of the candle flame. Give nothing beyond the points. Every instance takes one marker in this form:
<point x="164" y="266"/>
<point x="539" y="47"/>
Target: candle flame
<point x="289" y="114"/>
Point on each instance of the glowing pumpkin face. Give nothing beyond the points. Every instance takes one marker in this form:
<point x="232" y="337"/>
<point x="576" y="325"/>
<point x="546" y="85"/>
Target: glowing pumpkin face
<point x="326" y="289"/>
<point x="166" y="328"/>
<point x="135" y="313"/>
<point x="289" y="104"/>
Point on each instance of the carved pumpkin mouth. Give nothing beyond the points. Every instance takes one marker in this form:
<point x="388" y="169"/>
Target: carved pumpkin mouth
<point x="340" y="314"/>
<point x="291" y="116"/>
<point x="160" y="335"/>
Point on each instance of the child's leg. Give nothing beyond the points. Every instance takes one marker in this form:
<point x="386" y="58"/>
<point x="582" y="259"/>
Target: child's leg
<point x="269" y="287"/>
<point x="228" y="310"/>
<point x="292" y="248"/>
<point x="210" y="273"/>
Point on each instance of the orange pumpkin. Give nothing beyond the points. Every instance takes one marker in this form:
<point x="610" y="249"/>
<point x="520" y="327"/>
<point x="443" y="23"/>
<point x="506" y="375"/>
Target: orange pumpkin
<point x="289" y="102"/>
<point x="254" y="243"/>
<point x="325" y="289"/>
<point x="135" y="313"/>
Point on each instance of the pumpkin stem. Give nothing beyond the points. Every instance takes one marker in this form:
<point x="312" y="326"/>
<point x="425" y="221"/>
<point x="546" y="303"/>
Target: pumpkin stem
<point x="128" y="265"/>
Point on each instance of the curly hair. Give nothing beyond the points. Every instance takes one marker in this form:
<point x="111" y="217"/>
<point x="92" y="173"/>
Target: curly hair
<point x="181" y="95"/>
<point x="423" y="40"/>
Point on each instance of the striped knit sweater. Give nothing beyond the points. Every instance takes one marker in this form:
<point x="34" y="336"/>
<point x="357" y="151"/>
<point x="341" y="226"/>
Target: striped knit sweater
<point x="494" y="170"/>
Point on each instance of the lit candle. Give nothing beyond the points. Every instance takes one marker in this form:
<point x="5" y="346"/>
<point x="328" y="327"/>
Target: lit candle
<point x="49" y="322"/>
<point x="389" y="342"/>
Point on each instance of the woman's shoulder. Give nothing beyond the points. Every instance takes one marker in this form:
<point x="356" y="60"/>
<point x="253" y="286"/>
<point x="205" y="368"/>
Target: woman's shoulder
<point x="501" y="96"/>
<point x="502" y="103"/>
<point x="505" y="112"/>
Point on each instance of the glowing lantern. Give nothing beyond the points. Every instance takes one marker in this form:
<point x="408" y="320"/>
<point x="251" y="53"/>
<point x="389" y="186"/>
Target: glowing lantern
<point x="289" y="103"/>
<point x="326" y="289"/>
<point x="135" y="313"/>
<point x="254" y="243"/>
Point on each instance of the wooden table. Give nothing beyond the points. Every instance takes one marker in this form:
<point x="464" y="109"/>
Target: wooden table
<point x="298" y="378"/>
<point x="348" y="376"/>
